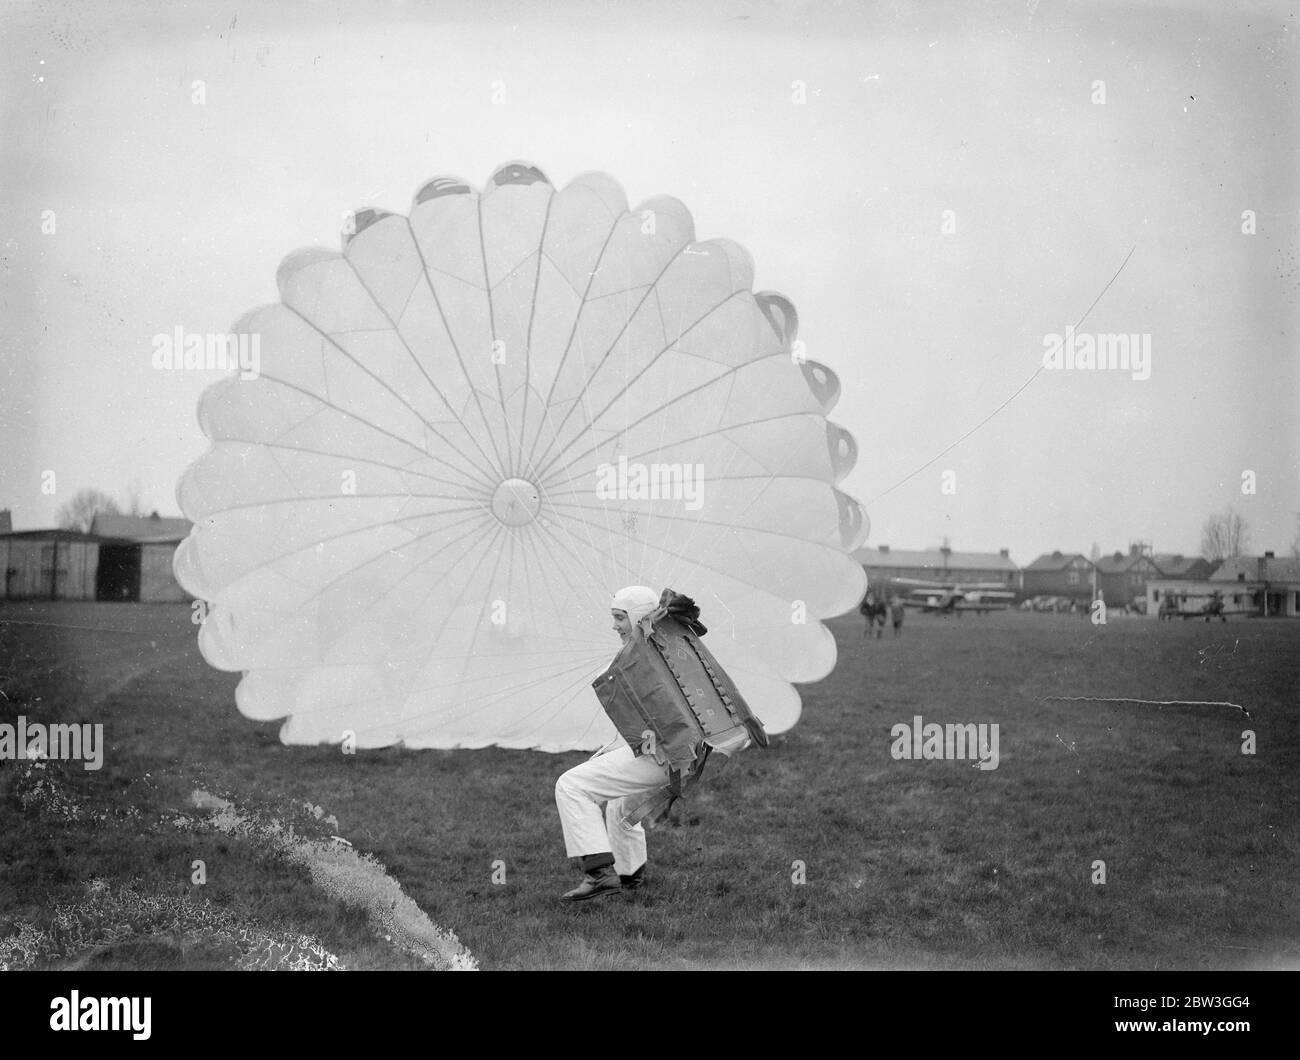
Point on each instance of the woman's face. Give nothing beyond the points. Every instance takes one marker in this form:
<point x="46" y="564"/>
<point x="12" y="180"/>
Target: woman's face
<point x="622" y="623"/>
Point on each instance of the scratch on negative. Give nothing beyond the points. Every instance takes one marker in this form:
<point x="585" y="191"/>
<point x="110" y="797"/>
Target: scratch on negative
<point x="1150" y="702"/>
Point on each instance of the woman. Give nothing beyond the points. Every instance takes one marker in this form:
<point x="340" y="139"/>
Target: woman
<point x="664" y="739"/>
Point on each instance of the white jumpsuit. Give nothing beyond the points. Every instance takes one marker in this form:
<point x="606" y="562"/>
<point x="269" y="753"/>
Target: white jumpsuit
<point x="621" y="780"/>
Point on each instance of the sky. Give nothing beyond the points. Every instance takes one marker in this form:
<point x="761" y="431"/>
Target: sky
<point x="937" y="187"/>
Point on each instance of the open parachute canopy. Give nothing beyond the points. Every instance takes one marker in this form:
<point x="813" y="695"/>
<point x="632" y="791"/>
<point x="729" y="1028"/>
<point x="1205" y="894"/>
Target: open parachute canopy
<point x="475" y="424"/>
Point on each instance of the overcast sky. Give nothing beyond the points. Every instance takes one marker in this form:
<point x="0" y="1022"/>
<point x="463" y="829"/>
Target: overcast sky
<point x="168" y="212"/>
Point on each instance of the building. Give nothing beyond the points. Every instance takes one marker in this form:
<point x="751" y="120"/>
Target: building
<point x="49" y="565"/>
<point x="884" y="564"/>
<point x="135" y="561"/>
<point x="1183" y="586"/>
<point x="6" y="521"/>
<point x="1067" y="574"/>
<point x="122" y="558"/>
<point x="1248" y="585"/>
<point x="1273" y="584"/>
<point x="1122" y="580"/>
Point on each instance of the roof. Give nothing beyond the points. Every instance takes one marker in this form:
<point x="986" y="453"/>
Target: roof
<point x="1176" y="565"/>
<point x="1119" y="564"/>
<point x="896" y="558"/>
<point x="1275" y="570"/>
<point x="54" y="534"/>
<point x="141" y="528"/>
<point x="1057" y="561"/>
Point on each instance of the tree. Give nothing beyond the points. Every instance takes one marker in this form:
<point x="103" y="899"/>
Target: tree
<point x="1224" y="535"/>
<point x="80" y="512"/>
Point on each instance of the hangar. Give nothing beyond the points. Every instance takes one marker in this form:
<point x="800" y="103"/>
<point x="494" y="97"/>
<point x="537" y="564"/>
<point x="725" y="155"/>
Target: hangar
<point x="123" y="558"/>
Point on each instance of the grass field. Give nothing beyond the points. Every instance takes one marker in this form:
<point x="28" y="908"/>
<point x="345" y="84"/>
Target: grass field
<point x="908" y="864"/>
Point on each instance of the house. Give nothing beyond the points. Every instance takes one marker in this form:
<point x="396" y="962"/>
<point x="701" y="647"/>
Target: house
<point x="1122" y="579"/>
<point x="49" y="565"/>
<point x="1183" y="586"/>
<point x="884" y="564"/>
<point x="135" y="562"/>
<point x="1272" y="584"/>
<point x="1066" y="574"/>
<point x="1248" y="585"/>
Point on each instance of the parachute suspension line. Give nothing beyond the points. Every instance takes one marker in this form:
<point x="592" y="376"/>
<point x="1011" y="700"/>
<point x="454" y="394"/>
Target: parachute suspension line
<point x="543" y="526"/>
<point x="487" y="549"/>
<point x="507" y="464"/>
<point x="545" y="419"/>
<point x="553" y="456"/>
<point x="684" y="579"/>
<point x="533" y="455"/>
<point x="550" y="472"/>
<point x="1023" y="386"/>
<point x="517" y="464"/>
<point x="487" y="603"/>
<point x="679" y="329"/>
<point x="772" y="477"/>
<point x="626" y="360"/>
<point x="476" y="524"/>
<point x="500" y="469"/>
<point x="424" y="269"/>
<point x="547" y="550"/>
<point x="397" y="331"/>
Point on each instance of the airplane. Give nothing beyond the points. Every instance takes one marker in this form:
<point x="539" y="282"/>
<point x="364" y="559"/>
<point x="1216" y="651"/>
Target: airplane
<point x="1175" y="605"/>
<point x="947" y="598"/>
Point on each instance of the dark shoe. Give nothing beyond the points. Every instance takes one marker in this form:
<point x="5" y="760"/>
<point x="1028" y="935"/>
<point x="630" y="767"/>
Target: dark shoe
<point x="631" y="883"/>
<point x="601" y="881"/>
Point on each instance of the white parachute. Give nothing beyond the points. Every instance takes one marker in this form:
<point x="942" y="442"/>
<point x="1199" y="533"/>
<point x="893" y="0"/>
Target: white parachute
<point x="475" y="424"/>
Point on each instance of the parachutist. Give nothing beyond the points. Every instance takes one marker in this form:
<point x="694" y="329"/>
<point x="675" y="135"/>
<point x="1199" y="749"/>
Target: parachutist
<point x="673" y="705"/>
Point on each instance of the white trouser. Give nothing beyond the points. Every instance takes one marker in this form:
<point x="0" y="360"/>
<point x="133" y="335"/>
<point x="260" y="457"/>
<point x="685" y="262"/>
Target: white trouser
<point x="619" y="779"/>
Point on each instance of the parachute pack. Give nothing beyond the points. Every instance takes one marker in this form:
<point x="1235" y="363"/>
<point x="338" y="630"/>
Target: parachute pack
<point x="666" y="693"/>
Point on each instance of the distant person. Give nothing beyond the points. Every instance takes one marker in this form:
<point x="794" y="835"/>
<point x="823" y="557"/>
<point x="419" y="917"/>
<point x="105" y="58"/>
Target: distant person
<point x="896" y="612"/>
<point x="874" y="612"/>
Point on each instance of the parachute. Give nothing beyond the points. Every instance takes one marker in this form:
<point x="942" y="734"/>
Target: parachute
<point x="473" y="425"/>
